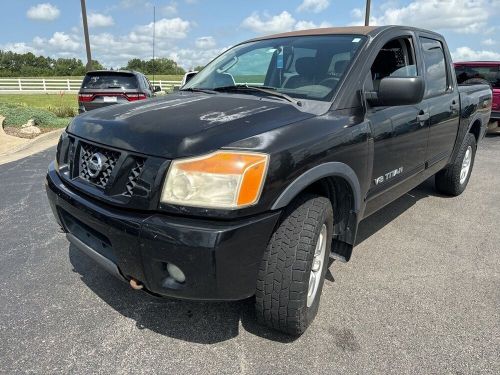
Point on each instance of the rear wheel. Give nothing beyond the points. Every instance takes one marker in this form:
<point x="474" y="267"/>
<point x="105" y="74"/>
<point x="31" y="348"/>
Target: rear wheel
<point x="454" y="179"/>
<point x="294" y="265"/>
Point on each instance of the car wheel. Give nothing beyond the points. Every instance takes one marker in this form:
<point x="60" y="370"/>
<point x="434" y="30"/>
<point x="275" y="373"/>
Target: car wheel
<point x="454" y="179"/>
<point x="294" y="265"/>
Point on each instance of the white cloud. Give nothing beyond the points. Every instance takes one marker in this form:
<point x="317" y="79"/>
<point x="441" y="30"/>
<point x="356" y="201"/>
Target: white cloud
<point x="267" y="24"/>
<point x="488" y="42"/>
<point x="462" y="16"/>
<point x="314" y="6"/>
<point x="64" y="42"/>
<point x="205" y="42"/>
<point x="100" y="20"/>
<point x="166" y="28"/>
<point x="19" y="47"/>
<point x="43" y="12"/>
<point x="170" y="9"/>
<point x="304" y="25"/>
<point x="468" y="54"/>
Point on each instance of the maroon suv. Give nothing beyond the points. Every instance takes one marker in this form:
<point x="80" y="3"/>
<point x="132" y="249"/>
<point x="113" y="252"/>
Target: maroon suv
<point x="486" y="70"/>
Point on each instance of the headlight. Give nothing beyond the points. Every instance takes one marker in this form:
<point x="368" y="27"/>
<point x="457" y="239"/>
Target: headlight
<point x="224" y="179"/>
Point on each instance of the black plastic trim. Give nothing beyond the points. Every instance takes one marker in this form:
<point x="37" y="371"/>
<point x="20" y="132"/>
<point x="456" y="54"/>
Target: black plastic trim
<point x="331" y="169"/>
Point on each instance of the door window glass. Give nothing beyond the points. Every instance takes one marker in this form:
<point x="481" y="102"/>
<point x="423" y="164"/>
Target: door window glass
<point x="395" y="59"/>
<point x="436" y="81"/>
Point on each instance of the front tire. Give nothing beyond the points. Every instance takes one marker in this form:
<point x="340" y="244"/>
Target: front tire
<point x="294" y="265"/>
<point x="454" y="179"/>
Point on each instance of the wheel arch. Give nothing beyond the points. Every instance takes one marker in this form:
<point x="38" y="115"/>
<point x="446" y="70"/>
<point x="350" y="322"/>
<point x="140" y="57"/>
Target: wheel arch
<point x="338" y="182"/>
<point x="475" y="128"/>
<point x="317" y="173"/>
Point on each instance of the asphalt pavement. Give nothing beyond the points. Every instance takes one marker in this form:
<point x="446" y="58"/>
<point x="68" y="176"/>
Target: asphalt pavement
<point x="420" y="295"/>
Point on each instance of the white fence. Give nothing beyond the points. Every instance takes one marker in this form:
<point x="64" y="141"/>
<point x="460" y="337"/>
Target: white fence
<point x="54" y="85"/>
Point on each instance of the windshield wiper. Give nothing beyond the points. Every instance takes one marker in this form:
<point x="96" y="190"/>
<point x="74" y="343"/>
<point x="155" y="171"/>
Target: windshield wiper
<point x="196" y="89"/>
<point x="265" y="89"/>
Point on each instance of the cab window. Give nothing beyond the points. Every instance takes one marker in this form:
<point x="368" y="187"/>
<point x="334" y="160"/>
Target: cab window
<point x="395" y="59"/>
<point x="436" y="81"/>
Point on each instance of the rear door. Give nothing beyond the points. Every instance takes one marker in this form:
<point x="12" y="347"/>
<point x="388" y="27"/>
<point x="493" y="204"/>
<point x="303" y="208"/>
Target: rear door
<point x="441" y="98"/>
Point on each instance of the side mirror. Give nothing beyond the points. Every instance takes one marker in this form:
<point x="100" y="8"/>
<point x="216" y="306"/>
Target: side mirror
<point x="156" y="89"/>
<point x="188" y="76"/>
<point x="395" y="91"/>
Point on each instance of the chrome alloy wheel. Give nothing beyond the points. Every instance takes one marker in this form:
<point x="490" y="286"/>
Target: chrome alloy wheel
<point x="317" y="266"/>
<point x="464" y="172"/>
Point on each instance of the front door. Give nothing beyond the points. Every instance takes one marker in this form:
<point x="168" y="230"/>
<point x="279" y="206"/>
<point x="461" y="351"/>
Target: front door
<point x="400" y="133"/>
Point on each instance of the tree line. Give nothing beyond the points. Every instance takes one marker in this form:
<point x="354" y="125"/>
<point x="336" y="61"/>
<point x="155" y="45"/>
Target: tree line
<point x="28" y="65"/>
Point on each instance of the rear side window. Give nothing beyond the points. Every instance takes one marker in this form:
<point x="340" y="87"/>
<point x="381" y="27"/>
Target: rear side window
<point x="436" y="81"/>
<point x="489" y="73"/>
<point x="105" y="80"/>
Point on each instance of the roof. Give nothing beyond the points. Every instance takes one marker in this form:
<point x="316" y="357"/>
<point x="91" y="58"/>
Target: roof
<point x="113" y="71"/>
<point x="356" y="30"/>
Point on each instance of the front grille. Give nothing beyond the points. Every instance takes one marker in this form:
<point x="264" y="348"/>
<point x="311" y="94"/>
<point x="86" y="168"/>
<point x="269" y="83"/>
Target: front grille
<point x="133" y="176"/>
<point x="109" y="160"/>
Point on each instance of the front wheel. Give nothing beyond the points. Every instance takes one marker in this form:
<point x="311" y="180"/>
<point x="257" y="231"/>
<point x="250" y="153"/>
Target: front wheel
<point x="294" y="265"/>
<point x="454" y="179"/>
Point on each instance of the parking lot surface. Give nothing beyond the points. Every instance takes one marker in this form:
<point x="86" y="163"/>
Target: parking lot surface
<point x="421" y="294"/>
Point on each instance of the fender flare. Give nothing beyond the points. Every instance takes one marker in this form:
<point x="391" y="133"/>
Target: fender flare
<point x="330" y="169"/>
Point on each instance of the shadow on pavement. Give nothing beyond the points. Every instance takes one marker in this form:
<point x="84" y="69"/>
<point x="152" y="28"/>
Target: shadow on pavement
<point x="381" y="218"/>
<point x="210" y="322"/>
<point x="199" y="322"/>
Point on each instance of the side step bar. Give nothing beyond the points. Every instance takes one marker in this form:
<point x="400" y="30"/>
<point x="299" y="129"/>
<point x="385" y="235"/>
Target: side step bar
<point x="107" y="264"/>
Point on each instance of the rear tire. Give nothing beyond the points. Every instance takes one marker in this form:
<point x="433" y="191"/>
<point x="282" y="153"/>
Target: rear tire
<point x="454" y="179"/>
<point x="294" y="265"/>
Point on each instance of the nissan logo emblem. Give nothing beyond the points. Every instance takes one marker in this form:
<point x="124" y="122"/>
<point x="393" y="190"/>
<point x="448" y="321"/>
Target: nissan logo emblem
<point x="95" y="164"/>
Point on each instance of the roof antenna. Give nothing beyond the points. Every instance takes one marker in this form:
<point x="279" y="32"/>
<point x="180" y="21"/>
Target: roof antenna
<point x="154" y="34"/>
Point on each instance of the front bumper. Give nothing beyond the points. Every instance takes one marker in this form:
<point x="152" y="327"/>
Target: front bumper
<point x="495" y="116"/>
<point x="220" y="259"/>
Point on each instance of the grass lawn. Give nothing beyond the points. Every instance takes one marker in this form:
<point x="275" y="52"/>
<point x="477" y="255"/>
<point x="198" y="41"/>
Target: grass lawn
<point x="40" y="100"/>
<point x="50" y="111"/>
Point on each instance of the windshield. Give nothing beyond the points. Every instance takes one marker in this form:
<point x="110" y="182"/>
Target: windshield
<point x="489" y="73"/>
<point x="304" y="67"/>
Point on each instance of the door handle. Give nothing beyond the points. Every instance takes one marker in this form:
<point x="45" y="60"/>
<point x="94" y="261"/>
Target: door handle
<point x="454" y="106"/>
<point x="423" y="117"/>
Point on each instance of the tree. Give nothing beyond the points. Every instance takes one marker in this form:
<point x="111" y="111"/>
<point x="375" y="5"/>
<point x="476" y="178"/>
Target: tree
<point x="28" y="65"/>
<point x="157" y="66"/>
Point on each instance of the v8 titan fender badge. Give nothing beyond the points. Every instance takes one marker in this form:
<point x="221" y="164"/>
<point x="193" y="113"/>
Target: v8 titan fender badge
<point x="388" y="175"/>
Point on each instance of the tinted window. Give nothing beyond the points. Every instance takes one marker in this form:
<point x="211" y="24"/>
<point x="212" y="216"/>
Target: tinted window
<point x="489" y="73"/>
<point x="105" y="80"/>
<point x="435" y="67"/>
<point x="395" y="59"/>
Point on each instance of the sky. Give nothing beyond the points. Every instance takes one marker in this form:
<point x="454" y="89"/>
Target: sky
<point x="192" y="32"/>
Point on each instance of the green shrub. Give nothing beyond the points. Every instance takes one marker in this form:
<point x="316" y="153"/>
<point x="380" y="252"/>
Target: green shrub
<point x="17" y="115"/>
<point x="62" y="111"/>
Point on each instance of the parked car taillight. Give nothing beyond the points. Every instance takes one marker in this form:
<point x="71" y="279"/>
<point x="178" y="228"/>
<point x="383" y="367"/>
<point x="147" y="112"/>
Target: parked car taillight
<point x="134" y="97"/>
<point x="85" y="97"/>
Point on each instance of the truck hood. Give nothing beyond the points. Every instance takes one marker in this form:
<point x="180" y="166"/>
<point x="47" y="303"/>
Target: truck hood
<point x="184" y="124"/>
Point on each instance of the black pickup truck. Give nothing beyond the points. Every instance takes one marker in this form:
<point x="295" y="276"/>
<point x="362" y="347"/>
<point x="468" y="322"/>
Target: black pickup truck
<point x="260" y="168"/>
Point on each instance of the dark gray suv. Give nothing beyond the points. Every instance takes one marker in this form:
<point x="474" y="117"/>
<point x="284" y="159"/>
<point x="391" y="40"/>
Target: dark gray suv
<point x="105" y="87"/>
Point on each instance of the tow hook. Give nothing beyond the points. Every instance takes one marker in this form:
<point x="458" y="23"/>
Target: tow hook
<point x="135" y="284"/>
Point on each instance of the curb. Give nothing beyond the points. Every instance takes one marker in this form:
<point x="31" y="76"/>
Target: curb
<point x="34" y="146"/>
